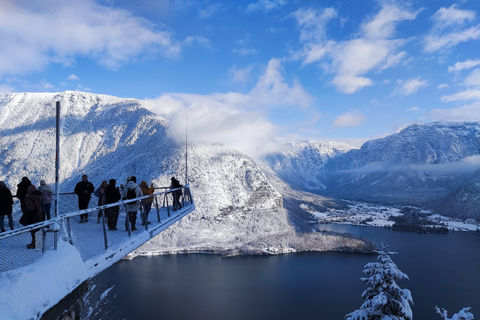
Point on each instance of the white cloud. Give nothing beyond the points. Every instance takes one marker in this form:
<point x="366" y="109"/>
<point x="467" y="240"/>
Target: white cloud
<point x="232" y="119"/>
<point x="373" y="49"/>
<point x="410" y="86"/>
<point x="209" y="11"/>
<point x="245" y="51"/>
<point x="33" y="35"/>
<point x="447" y="29"/>
<point x="464" y="95"/>
<point x="240" y="75"/>
<point x="73" y="77"/>
<point x="467" y="64"/>
<point x="6" y="89"/>
<point x="473" y="79"/>
<point x="436" y="42"/>
<point x="469" y="112"/>
<point x="349" y="119"/>
<point x="412" y="109"/>
<point x="443" y="85"/>
<point x="265" y="5"/>
<point x="451" y="16"/>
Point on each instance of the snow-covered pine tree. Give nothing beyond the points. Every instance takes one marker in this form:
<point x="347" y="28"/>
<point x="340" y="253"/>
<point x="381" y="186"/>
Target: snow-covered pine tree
<point x="384" y="299"/>
<point x="462" y="315"/>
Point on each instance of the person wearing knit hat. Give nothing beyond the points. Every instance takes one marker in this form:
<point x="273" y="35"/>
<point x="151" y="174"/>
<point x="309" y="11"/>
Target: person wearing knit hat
<point x="6" y="202"/>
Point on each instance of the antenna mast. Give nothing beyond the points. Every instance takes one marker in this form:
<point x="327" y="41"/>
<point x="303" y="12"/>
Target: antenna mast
<point x="186" y="151"/>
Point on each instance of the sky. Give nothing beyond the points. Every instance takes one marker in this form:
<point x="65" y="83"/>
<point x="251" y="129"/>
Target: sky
<point x="253" y="74"/>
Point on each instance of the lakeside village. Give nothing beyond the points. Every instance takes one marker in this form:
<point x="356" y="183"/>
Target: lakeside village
<point x="404" y="218"/>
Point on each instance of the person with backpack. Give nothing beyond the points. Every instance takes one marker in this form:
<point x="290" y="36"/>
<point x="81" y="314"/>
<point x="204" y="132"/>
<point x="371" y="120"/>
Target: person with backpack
<point x="176" y="194"/>
<point x="132" y="191"/>
<point x="22" y="190"/>
<point x="33" y="211"/>
<point x="100" y="193"/>
<point x="84" y="190"/>
<point x="47" y="199"/>
<point x="6" y="203"/>
<point x="112" y="195"/>
<point x="146" y="203"/>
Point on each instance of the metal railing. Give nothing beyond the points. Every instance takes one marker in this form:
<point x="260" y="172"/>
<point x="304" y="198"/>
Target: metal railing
<point x="91" y="238"/>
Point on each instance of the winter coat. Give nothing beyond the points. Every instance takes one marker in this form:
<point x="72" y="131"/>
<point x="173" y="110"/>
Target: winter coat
<point x="100" y="193"/>
<point x="84" y="190"/>
<point x="45" y="188"/>
<point x="33" y="205"/>
<point x="132" y="206"/>
<point x="112" y="194"/>
<point x="6" y="201"/>
<point x="23" y="189"/>
<point x="147" y="191"/>
<point x="176" y="184"/>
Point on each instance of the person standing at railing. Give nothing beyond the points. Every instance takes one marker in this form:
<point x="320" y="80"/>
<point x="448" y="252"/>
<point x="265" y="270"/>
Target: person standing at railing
<point x="146" y="203"/>
<point x="132" y="191"/>
<point x="22" y="190"/>
<point x="6" y="202"/>
<point x="112" y="195"/>
<point x="100" y="193"/>
<point x="176" y="194"/>
<point x="33" y="209"/>
<point x="84" y="190"/>
<point x="46" y="199"/>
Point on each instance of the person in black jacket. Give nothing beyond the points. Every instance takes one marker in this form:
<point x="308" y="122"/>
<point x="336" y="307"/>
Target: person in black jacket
<point x="176" y="194"/>
<point x="22" y="190"/>
<point x="112" y="195"/>
<point x="6" y="202"/>
<point x="84" y="190"/>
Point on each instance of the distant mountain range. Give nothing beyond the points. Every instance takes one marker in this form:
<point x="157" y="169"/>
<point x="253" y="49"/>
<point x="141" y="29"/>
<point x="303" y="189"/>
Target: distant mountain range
<point x="237" y="209"/>
<point x="421" y="165"/>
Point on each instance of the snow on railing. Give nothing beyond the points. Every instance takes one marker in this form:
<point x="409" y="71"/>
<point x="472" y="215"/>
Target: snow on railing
<point x="91" y="238"/>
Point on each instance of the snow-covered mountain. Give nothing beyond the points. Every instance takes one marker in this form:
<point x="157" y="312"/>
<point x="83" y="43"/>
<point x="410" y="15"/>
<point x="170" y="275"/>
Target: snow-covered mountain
<point x="416" y="166"/>
<point x="464" y="201"/>
<point x="237" y="209"/>
<point x="301" y="165"/>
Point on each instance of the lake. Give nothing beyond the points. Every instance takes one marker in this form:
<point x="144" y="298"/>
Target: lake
<point x="444" y="270"/>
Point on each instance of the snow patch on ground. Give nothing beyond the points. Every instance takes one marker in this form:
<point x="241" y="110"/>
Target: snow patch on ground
<point x="57" y="272"/>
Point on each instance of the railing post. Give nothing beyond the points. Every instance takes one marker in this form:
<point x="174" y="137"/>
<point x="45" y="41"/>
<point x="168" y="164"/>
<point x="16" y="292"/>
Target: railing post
<point x="158" y="211"/>
<point x="104" y="229"/>
<point x="168" y="209"/>
<point x="44" y="240"/>
<point x="69" y="230"/>
<point x="127" y="221"/>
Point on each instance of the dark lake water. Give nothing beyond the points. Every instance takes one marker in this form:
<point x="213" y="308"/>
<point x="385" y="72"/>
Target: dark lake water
<point x="444" y="270"/>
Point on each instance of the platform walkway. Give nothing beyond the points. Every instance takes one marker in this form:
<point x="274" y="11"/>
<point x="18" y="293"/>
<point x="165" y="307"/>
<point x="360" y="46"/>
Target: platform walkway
<point x="98" y="247"/>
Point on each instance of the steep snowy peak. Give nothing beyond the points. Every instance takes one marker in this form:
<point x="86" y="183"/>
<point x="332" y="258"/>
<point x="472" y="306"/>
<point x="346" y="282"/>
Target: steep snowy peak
<point x="302" y="162"/>
<point x="433" y="143"/>
<point x="98" y="133"/>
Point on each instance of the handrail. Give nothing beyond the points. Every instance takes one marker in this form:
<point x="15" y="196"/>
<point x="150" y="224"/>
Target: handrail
<point x="41" y="224"/>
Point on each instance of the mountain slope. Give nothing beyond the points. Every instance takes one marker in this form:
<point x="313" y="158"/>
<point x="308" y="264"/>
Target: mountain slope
<point x="107" y="137"/>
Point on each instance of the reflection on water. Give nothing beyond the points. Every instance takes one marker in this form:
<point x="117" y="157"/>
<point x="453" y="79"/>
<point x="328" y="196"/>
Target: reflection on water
<point x="444" y="270"/>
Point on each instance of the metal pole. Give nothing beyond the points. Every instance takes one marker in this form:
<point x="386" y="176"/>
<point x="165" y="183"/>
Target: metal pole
<point x="168" y="210"/>
<point x="158" y="211"/>
<point x="105" y="238"/>
<point x="186" y="151"/>
<point x="57" y="166"/>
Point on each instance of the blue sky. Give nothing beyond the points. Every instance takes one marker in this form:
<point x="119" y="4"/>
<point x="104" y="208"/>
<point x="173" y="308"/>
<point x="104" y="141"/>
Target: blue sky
<point x="250" y="74"/>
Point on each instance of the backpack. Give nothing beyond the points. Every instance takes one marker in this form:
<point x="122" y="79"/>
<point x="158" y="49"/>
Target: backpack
<point x="131" y="193"/>
<point x="30" y="205"/>
<point x="47" y="197"/>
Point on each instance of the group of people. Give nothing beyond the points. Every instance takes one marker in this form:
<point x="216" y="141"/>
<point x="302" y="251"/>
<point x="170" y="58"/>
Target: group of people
<point x="109" y="193"/>
<point x="34" y="202"/>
